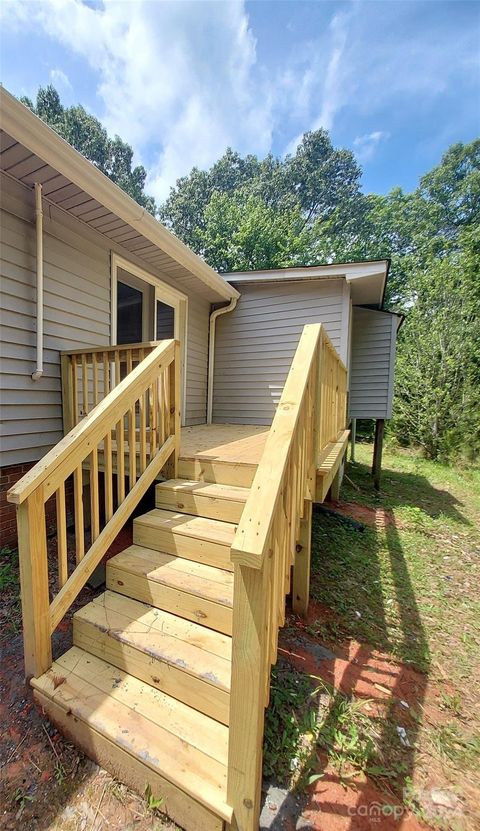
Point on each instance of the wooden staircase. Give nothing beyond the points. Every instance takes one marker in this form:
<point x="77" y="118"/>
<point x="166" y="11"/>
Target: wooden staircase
<point x="168" y="679"/>
<point x="145" y="689"/>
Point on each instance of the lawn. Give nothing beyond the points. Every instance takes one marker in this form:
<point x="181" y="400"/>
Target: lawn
<point x="396" y="602"/>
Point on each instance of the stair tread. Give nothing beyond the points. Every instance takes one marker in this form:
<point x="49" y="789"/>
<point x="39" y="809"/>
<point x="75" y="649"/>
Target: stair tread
<point x="185" y="746"/>
<point x="188" y="646"/>
<point x="198" y="579"/>
<point x="211" y="489"/>
<point x="209" y="530"/>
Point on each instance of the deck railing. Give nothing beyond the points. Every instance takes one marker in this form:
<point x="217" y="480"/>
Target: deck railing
<point x="135" y="430"/>
<point x="275" y="526"/>
<point x="89" y="374"/>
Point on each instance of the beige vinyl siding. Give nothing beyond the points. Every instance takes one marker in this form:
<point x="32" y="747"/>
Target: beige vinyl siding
<point x="372" y="364"/>
<point x="256" y="342"/>
<point x="77" y="310"/>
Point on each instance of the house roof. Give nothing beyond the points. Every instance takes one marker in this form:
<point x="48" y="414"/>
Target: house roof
<point x="30" y="151"/>
<point x="367" y="279"/>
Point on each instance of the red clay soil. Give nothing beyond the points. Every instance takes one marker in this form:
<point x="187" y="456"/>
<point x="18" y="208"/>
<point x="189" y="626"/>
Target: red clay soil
<point x="359" y="807"/>
<point x="374" y="517"/>
<point x="359" y="670"/>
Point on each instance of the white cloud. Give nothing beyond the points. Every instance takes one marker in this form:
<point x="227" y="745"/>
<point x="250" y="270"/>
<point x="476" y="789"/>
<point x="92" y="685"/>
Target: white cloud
<point x="366" y="146"/>
<point x="177" y="77"/>
<point x="379" y="61"/>
<point x="60" y="79"/>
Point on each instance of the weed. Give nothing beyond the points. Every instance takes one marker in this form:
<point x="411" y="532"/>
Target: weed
<point x="452" y="702"/>
<point x="60" y="773"/>
<point x="452" y="744"/>
<point x="20" y="797"/>
<point x="290" y="725"/>
<point x="348" y="735"/>
<point x="153" y="802"/>
<point x="8" y="570"/>
<point x="118" y="791"/>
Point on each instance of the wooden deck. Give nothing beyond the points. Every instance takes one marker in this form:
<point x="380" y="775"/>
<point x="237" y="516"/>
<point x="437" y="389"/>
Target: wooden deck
<point x="237" y="450"/>
<point x="237" y="443"/>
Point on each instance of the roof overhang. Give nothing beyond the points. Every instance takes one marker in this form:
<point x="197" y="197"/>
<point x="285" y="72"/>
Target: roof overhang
<point x="367" y="280"/>
<point x="19" y="123"/>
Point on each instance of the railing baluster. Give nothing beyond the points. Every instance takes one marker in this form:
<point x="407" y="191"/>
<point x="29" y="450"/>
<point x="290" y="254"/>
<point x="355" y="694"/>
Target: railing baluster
<point x="117" y="367"/>
<point x="120" y="440"/>
<point x="143" y="433"/>
<point x="95" y="378"/>
<point x="79" y="522"/>
<point x="85" y="384"/>
<point x="94" y="498"/>
<point x="107" y="456"/>
<point x="74" y="390"/>
<point x="61" y="514"/>
<point x="106" y="374"/>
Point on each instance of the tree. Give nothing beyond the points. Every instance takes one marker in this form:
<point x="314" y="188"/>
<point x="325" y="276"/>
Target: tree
<point x="437" y="401"/>
<point x="85" y="132"/>
<point x="437" y="398"/>
<point x="241" y="232"/>
<point x="318" y="188"/>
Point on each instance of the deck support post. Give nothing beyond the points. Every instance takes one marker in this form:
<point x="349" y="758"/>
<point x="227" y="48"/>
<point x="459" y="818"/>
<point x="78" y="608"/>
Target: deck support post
<point x="301" y="568"/>
<point x="353" y="438"/>
<point x="377" y="452"/>
<point x="247" y="699"/>
<point x="334" y="492"/>
<point x="32" y="552"/>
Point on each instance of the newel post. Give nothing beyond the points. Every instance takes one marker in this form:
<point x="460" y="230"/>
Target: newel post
<point x="32" y="552"/>
<point x="248" y="695"/>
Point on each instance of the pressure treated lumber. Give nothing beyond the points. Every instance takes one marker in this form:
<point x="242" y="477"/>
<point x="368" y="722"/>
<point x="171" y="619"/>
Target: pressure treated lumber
<point x="190" y="590"/>
<point x="188" y="661"/>
<point x="184" y="747"/>
<point x="203" y="540"/>
<point x="207" y="499"/>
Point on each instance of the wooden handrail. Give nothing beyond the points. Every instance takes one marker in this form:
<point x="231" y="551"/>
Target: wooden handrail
<point x="142" y="411"/>
<point x="91" y="429"/>
<point x="121" y="347"/>
<point x="274" y="526"/>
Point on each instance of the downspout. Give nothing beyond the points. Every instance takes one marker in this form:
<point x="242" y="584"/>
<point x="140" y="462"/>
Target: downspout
<point x="39" y="234"/>
<point x="211" y="352"/>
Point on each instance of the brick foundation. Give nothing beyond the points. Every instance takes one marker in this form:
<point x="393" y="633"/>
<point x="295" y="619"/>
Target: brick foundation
<point x="8" y="520"/>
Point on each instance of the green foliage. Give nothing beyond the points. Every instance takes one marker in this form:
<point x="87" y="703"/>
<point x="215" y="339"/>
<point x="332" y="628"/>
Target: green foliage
<point x="84" y="132"/>
<point x="437" y="401"/>
<point x="300" y="209"/>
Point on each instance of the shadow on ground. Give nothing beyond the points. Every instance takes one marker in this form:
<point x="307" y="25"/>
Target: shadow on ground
<point x="368" y="643"/>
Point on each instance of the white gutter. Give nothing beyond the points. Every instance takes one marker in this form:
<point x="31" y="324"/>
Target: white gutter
<point x="39" y="238"/>
<point x="211" y="352"/>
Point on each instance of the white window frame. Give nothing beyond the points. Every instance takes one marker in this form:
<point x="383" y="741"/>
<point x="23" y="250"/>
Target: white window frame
<point x="166" y="294"/>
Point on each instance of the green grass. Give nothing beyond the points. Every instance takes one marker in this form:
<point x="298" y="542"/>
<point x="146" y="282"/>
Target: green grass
<point x="409" y="588"/>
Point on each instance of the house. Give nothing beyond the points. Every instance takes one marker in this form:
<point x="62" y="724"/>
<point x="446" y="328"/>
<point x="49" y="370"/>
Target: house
<point x="129" y="365"/>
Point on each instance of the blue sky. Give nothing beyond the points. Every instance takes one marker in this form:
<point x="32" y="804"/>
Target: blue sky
<point x="396" y="82"/>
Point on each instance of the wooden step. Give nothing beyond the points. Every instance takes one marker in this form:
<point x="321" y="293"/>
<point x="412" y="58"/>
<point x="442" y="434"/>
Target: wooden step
<point x="198" y="468"/>
<point x="206" y="541"/>
<point x="185" y="660"/>
<point x="141" y="735"/>
<point x="206" y="499"/>
<point x="190" y="590"/>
